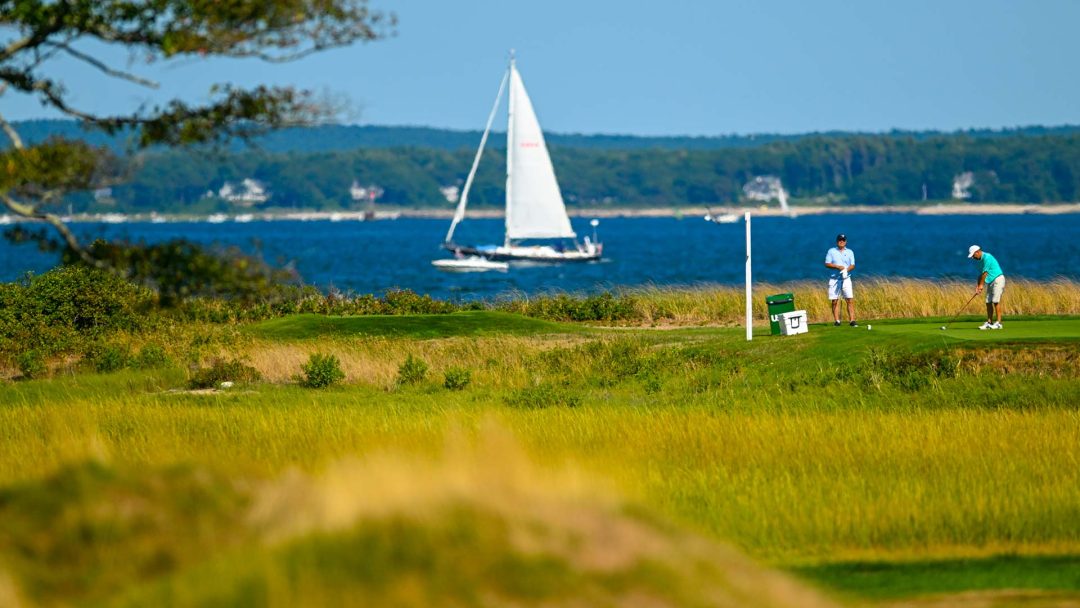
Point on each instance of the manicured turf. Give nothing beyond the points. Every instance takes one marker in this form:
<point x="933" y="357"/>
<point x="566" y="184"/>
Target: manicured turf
<point x="927" y="334"/>
<point x="906" y="579"/>
<point x="474" y="323"/>
<point x="1019" y="329"/>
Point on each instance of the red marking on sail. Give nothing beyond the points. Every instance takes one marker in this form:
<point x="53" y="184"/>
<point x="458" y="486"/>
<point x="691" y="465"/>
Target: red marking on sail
<point x="530" y="144"/>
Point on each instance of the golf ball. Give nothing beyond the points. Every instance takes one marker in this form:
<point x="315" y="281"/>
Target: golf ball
<point x="942" y="327"/>
<point x="868" y="327"/>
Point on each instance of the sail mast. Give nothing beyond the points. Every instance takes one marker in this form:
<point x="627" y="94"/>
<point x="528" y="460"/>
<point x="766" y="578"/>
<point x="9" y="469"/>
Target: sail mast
<point x="509" y="149"/>
<point x="459" y="214"/>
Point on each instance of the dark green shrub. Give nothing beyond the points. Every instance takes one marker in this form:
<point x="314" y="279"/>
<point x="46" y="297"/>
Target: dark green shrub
<point x="87" y="300"/>
<point x="222" y="370"/>
<point x="65" y="308"/>
<point x="563" y="307"/>
<point x="456" y="378"/>
<point x="412" y="371"/>
<point x="31" y="364"/>
<point x="108" y="358"/>
<point x="179" y="269"/>
<point x="321" y="371"/>
<point x="408" y="302"/>
<point x="543" y="396"/>
<point x="152" y="356"/>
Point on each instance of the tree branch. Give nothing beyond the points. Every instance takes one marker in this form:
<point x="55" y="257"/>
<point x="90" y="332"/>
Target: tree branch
<point x="28" y="211"/>
<point x="13" y="135"/>
<point x="100" y="65"/>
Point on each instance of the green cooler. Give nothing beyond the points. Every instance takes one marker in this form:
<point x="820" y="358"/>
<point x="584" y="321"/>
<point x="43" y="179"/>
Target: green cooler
<point x="781" y="302"/>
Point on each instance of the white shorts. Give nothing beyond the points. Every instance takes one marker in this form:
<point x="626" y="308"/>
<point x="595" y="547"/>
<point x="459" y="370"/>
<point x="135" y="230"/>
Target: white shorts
<point x="994" y="289"/>
<point x="838" y="287"/>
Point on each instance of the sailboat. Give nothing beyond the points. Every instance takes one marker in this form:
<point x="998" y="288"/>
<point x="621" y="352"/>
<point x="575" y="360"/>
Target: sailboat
<point x="534" y="205"/>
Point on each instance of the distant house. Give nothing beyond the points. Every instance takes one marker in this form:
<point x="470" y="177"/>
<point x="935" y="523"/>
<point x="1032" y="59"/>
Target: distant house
<point x="104" y="196"/>
<point x="360" y="193"/>
<point x="451" y="193"/>
<point x="763" y="188"/>
<point x="961" y="185"/>
<point x="249" y="193"/>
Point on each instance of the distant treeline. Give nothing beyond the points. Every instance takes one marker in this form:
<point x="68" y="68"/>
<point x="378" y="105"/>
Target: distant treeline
<point x="1034" y="165"/>
<point x="339" y="138"/>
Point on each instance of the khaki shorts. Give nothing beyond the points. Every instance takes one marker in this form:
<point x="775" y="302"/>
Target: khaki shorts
<point x="994" y="289"/>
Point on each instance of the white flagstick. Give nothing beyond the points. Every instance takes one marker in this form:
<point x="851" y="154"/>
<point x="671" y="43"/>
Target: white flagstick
<point x="749" y="306"/>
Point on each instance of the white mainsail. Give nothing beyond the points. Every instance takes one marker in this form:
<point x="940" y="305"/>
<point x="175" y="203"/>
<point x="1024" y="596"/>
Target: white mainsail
<point x="534" y="204"/>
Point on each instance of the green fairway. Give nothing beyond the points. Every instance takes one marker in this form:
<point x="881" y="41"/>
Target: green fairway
<point x="1017" y="329"/>
<point x="831" y="343"/>
<point x="913" y="578"/>
<point x="472" y="323"/>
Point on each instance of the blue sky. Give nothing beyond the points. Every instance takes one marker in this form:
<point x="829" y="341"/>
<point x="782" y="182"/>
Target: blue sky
<point x="679" y="67"/>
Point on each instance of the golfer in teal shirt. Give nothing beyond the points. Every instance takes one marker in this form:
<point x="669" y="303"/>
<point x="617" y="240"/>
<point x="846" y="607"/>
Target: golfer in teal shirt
<point x="994" y="280"/>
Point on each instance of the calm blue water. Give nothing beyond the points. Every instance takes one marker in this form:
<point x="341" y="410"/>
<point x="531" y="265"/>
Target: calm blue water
<point x="375" y="256"/>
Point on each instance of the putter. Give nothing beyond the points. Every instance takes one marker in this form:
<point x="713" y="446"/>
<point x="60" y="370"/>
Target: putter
<point x="959" y="312"/>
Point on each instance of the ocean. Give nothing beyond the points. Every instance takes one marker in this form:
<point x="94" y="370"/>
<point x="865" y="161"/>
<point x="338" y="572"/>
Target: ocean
<point x="372" y="257"/>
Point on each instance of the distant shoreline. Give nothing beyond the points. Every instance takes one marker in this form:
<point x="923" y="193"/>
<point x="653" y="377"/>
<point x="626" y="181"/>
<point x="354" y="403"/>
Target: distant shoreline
<point x="389" y="213"/>
<point x="694" y="210"/>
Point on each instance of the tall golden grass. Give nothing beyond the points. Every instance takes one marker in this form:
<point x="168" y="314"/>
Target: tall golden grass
<point x="875" y="298"/>
<point x="493" y="361"/>
<point x="554" y="513"/>
<point x="789" y="484"/>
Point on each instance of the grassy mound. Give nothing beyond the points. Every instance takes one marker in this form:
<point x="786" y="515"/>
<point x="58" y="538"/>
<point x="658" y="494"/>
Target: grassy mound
<point x="422" y="327"/>
<point x="479" y="527"/>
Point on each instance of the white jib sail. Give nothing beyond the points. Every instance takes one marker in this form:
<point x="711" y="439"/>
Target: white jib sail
<point x="459" y="214"/>
<point x="534" y="205"/>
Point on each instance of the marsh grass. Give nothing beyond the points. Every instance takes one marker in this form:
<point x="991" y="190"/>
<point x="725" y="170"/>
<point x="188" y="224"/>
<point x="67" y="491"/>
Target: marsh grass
<point x="876" y="298"/>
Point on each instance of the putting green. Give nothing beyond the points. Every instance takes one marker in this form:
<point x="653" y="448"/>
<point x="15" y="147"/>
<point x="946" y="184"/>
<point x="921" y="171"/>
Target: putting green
<point x="1020" y="329"/>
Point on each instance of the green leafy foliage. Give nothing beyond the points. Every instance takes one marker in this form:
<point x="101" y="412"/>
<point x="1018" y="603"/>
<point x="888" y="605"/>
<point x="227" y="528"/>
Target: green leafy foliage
<point x="152" y="356"/>
<point x="68" y="306"/>
<point x="53" y="164"/>
<point x="457" y="378"/>
<point x="162" y="29"/>
<point x="321" y="371"/>
<point x="180" y="269"/>
<point x="412" y="371"/>
<point x="35" y="178"/>
<point x="108" y="358"/>
<point x="31" y="364"/>
<point x="604" y="306"/>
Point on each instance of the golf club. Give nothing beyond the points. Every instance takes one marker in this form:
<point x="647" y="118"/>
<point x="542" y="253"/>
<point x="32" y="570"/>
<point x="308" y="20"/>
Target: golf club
<point x="959" y="312"/>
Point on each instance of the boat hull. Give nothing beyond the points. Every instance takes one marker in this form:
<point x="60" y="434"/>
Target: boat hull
<point x="470" y="264"/>
<point x="541" y="254"/>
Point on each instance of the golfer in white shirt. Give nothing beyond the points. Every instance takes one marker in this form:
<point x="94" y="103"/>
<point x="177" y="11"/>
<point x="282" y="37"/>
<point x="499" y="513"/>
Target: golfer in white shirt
<point x="841" y="261"/>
